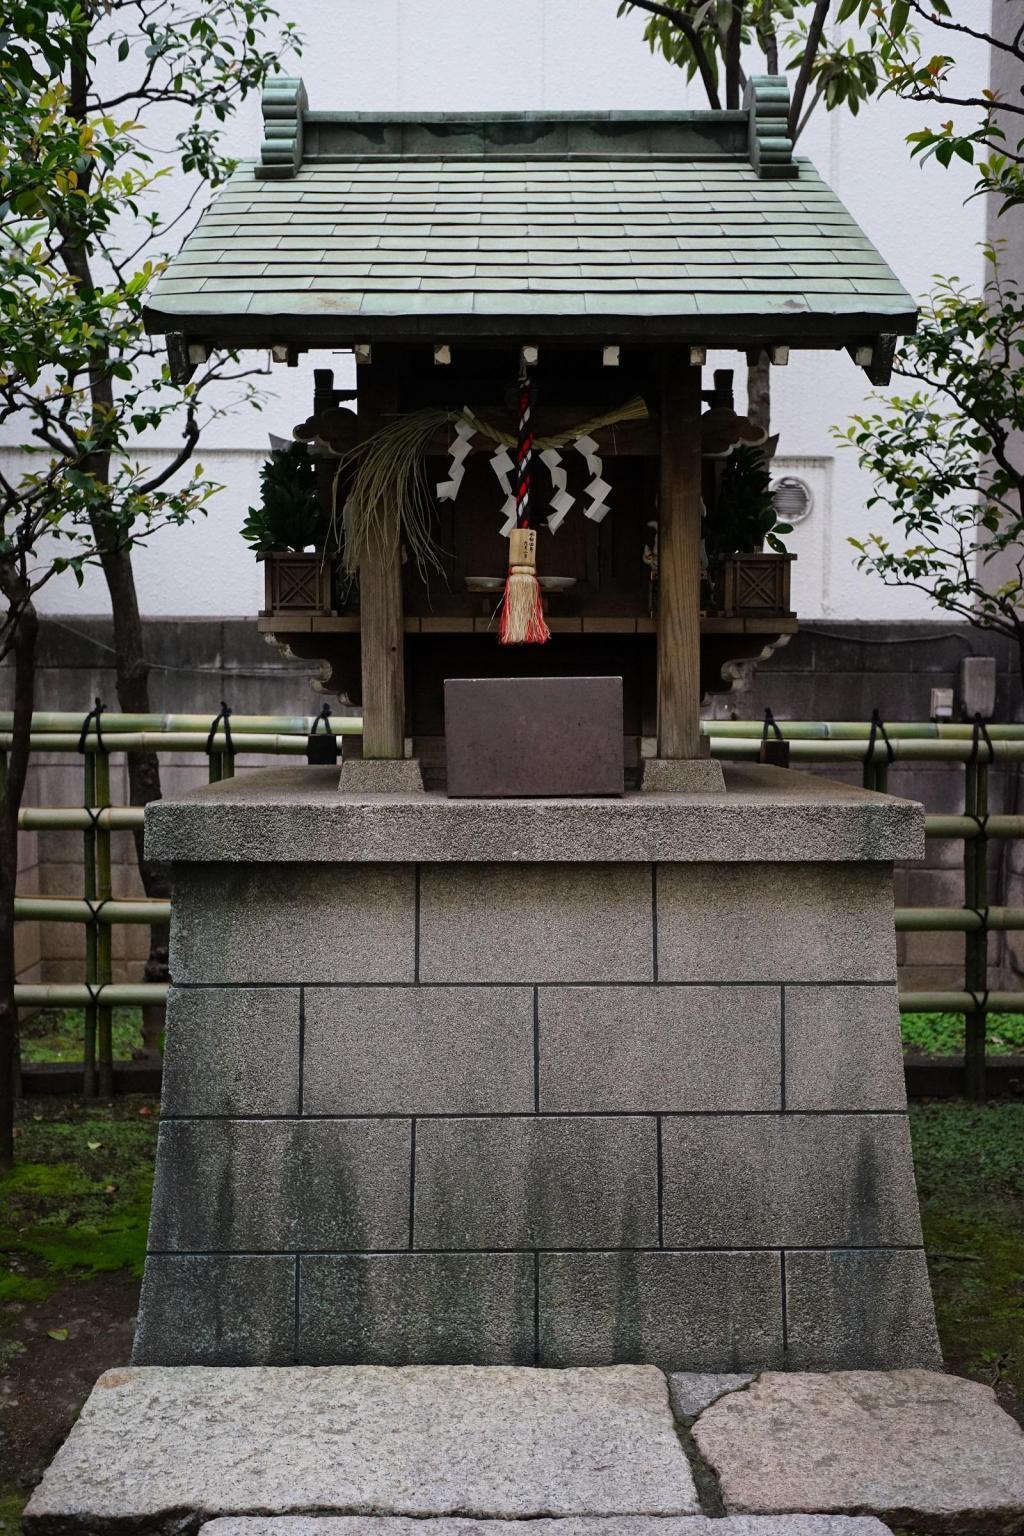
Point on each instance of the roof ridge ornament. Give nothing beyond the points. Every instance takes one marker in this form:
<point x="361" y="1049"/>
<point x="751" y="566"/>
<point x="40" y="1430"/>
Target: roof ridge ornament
<point x="766" y="99"/>
<point x="284" y="107"/>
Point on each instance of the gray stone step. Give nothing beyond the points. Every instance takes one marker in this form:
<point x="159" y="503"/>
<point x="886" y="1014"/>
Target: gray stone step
<point x="616" y="1525"/>
<point x="159" y="1449"/>
<point x="476" y="1451"/>
<point x="916" y="1448"/>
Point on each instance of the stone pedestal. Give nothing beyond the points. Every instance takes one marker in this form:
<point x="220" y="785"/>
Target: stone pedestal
<point x="554" y="1082"/>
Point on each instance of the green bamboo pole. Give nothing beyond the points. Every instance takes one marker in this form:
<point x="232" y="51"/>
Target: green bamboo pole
<point x="58" y="909"/>
<point x="967" y="827"/>
<point x="958" y="1002"/>
<point x="300" y="725"/>
<point x="807" y="751"/>
<point x="74" y="995"/>
<point x="958" y="920"/>
<point x="73" y="818"/>
<point x="104" y="933"/>
<point x="91" y="932"/>
<point x="65" y="721"/>
<point x="180" y="741"/>
<point x="976" y="941"/>
<point x="857" y="730"/>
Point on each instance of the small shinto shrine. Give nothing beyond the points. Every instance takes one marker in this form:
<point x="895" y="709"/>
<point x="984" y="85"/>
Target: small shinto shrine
<point x="459" y="1076"/>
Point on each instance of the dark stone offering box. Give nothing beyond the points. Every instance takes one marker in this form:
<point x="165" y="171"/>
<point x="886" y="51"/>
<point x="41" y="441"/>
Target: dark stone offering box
<point x="520" y="736"/>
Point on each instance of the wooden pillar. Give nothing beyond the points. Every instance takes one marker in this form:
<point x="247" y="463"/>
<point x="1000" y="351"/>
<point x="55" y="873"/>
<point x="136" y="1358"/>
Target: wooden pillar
<point x="382" y="633"/>
<point x="679" y="560"/>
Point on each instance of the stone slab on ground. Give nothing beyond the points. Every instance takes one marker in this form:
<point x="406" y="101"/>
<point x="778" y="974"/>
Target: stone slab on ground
<point x="161" y="1449"/>
<point x="617" y="1525"/>
<point x="693" y="1391"/>
<point x="921" y="1450"/>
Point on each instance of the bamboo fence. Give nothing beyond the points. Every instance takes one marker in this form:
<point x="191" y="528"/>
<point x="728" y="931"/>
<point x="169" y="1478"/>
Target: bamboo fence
<point x="805" y="742"/>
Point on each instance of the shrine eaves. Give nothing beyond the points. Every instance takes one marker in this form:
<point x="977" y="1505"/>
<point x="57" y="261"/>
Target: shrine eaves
<point x="695" y="226"/>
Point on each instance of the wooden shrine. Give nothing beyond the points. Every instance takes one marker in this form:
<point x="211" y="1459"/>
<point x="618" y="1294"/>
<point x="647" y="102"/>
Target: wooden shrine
<point x="616" y="251"/>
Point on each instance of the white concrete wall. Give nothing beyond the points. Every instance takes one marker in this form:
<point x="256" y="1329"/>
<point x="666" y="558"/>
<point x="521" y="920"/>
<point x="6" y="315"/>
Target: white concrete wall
<point x="488" y="54"/>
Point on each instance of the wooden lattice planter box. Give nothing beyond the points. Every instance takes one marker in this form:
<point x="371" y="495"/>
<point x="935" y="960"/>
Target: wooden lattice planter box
<point x="297" y="584"/>
<point x="757" y="584"/>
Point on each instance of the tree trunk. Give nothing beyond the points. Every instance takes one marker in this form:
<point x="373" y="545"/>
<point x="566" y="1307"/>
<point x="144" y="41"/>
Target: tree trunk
<point x="759" y="392"/>
<point x="132" y="671"/>
<point x="12" y="790"/>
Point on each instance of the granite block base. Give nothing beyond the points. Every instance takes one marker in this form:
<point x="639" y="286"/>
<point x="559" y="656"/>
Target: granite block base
<point x="535" y="1082"/>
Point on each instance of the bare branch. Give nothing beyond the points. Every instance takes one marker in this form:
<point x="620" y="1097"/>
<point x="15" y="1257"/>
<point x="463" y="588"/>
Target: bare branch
<point x="813" y="42"/>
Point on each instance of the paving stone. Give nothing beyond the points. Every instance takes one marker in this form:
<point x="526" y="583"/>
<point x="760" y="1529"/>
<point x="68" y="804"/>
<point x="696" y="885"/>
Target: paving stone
<point x="681" y="1311"/>
<point x="483" y="1442"/>
<point x="311" y="922"/>
<point x="560" y="1182"/>
<point x="871" y="1310"/>
<point x="586" y="1525"/>
<point x="536" y="922"/>
<point x="916" y="1448"/>
<point x="735" y="1181"/>
<point x="280" y="1185"/>
<point x="216" y="1309"/>
<point x="775" y="922"/>
<point x="693" y="1391"/>
<point x="418" y="1050"/>
<point x="843" y="1048"/>
<point x="416" y="1309"/>
<point x="660" y="1048"/>
<point x="231" y="1051"/>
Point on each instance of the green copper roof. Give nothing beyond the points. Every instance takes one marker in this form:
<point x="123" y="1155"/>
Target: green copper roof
<point x="696" y="226"/>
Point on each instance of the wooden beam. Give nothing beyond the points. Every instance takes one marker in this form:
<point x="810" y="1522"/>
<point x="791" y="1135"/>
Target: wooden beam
<point x="380" y="600"/>
<point x="679" y="560"/>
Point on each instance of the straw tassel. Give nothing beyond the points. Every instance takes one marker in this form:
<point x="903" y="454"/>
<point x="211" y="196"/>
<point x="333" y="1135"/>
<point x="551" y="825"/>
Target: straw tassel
<point x="522" y="613"/>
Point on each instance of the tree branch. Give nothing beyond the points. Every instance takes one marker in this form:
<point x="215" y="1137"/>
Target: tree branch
<point x="689" y="31"/>
<point x="733" y="39"/>
<point x="803" y="79"/>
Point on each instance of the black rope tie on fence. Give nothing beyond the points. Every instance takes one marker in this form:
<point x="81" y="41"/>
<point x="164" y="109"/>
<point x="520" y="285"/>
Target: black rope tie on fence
<point x="980" y="734"/>
<point x="774" y="746"/>
<point x="878" y="729"/>
<point x="94" y="991"/>
<point x="322" y="746"/>
<point x="771" y="724"/>
<point x="94" y="714"/>
<point x="95" y="908"/>
<point x="225" y="715"/>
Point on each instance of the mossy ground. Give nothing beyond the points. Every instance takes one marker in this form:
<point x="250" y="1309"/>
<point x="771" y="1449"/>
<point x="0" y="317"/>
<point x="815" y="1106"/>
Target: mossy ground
<point x="970" y="1177"/>
<point x="942" y="1034"/>
<point x="73" y="1219"/>
<point x="56" y="1034"/>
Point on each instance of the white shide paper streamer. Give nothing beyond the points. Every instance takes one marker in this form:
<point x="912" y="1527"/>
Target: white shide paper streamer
<point x="461" y="448"/>
<point x="599" y="490"/>
<point x="503" y="464"/>
<point x="561" y="501"/>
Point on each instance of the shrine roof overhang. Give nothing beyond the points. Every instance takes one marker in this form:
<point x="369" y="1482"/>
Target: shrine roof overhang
<point x="699" y="227"/>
